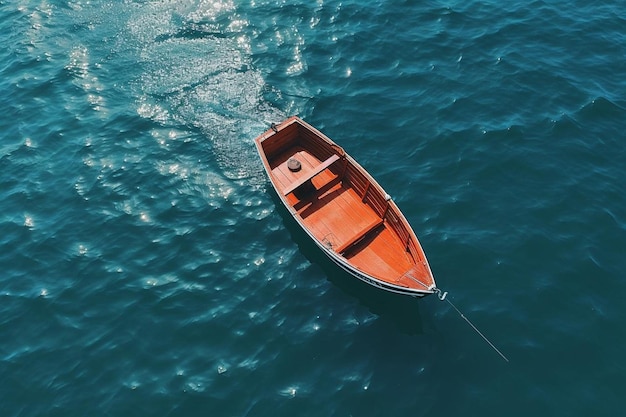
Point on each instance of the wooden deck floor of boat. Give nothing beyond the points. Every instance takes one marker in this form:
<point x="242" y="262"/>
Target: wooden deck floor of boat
<point x="338" y="214"/>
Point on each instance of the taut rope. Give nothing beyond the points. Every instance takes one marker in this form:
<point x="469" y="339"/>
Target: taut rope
<point x="442" y="297"/>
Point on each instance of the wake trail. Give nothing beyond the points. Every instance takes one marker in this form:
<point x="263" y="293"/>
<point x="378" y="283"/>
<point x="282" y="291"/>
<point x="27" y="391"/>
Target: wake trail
<point x="198" y="72"/>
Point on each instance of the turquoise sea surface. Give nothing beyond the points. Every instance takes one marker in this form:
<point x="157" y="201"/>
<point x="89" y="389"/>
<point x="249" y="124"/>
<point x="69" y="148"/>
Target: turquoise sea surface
<point x="146" y="269"/>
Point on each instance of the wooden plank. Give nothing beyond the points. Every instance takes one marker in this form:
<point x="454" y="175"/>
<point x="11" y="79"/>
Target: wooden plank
<point x="355" y="214"/>
<point x="310" y="175"/>
<point x="334" y="212"/>
<point x="383" y="257"/>
<point x="359" y="235"/>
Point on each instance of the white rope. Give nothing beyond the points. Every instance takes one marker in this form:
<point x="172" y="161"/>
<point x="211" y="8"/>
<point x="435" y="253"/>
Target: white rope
<point x="442" y="296"/>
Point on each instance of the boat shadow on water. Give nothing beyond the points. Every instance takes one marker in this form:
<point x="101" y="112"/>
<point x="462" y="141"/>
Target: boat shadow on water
<point x="401" y="310"/>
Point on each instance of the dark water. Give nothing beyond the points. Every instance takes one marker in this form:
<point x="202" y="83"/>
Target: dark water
<point x="145" y="268"/>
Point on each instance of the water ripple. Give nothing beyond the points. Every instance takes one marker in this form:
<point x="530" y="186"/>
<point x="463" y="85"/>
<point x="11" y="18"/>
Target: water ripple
<point x="147" y="269"/>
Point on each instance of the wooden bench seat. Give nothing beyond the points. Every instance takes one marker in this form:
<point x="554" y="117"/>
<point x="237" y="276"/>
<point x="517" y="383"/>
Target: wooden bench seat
<point x="318" y="169"/>
<point x="373" y="225"/>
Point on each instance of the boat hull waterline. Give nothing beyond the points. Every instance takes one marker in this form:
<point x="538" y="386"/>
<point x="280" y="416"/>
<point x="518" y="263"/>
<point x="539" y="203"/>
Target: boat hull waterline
<point x="343" y="209"/>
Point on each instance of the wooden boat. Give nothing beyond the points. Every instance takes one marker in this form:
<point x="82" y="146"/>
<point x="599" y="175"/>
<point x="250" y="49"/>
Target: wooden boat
<point x="343" y="209"/>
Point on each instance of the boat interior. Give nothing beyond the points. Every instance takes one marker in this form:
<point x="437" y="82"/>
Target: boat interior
<point x="343" y="209"/>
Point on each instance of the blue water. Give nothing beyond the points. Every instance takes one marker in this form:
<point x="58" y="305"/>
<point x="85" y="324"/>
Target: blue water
<point x="146" y="270"/>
